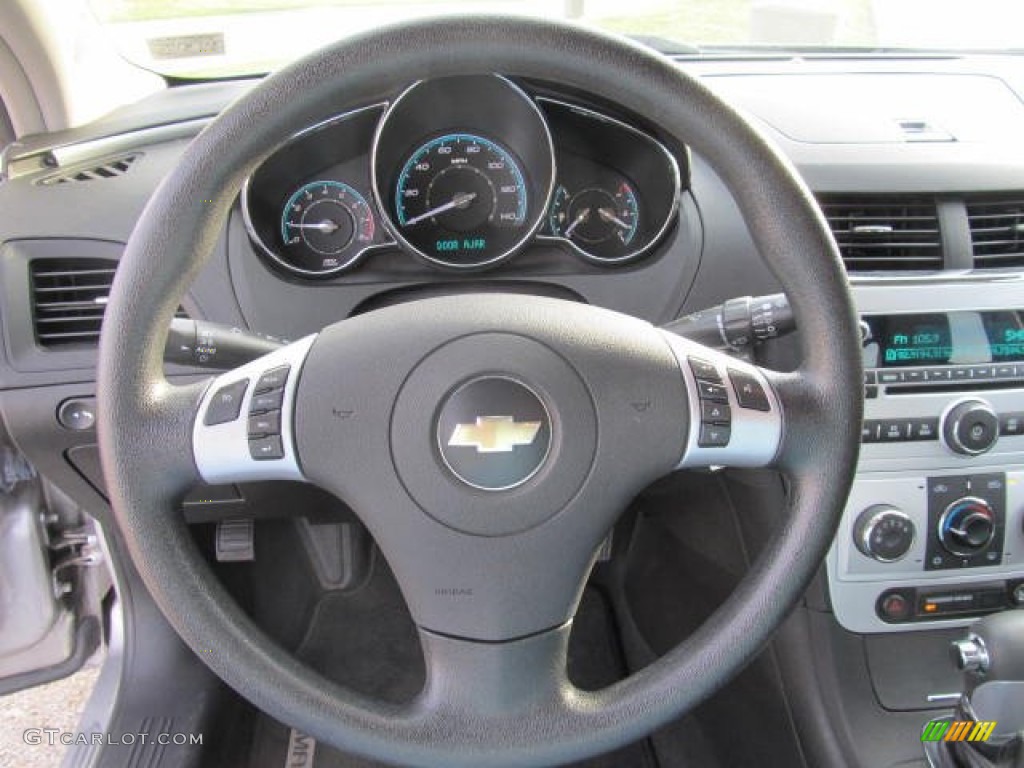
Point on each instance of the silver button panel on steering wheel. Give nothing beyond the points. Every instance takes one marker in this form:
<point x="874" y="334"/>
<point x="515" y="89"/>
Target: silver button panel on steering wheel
<point x="735" y="415"/>
<point x="243" y="430"/>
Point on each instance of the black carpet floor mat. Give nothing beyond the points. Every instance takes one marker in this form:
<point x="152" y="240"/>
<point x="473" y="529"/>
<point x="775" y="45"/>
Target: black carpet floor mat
<point x="365" y="640"/>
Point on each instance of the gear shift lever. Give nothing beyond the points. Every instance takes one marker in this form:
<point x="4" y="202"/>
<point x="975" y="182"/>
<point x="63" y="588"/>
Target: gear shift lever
<point x="992" y="705"/>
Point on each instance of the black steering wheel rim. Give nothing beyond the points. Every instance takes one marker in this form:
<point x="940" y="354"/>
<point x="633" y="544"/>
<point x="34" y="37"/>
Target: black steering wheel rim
<point x="143" y="420"/>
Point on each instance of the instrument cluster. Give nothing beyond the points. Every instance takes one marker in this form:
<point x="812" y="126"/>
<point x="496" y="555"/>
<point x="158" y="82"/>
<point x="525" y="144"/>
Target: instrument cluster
<point x="462" y="173"/>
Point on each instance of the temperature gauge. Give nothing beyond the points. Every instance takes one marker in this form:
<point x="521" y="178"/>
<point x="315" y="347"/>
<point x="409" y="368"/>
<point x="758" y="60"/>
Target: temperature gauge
<point x="601" y="223"/>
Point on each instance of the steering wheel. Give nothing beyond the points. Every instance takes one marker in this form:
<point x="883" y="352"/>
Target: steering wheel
<point x="491" y="553"/>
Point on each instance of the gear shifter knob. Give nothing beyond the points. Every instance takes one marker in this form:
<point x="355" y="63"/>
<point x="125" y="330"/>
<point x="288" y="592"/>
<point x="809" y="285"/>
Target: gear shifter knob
<point x="994" y="649"/>
<point x="970" y="655"/>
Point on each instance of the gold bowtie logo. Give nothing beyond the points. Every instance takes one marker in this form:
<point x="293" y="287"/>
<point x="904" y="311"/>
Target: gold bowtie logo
<point x="494" y="434"/>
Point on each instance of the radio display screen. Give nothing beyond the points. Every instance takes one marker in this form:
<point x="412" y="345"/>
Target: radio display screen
<point x="948" y="338"/>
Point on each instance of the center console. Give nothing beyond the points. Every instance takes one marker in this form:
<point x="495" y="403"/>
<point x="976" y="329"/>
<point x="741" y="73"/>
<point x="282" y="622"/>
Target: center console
<point x="933" y="533"/>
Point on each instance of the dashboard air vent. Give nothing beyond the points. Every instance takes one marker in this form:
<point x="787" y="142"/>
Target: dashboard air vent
<point x="108" y="169"/>
<point x="997" y="232"/>
<point x="885" y="234"/>
<point x="69" y="297"/>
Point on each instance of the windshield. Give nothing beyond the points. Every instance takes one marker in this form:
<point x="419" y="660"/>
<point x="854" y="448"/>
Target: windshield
<point x="208" y="38"/>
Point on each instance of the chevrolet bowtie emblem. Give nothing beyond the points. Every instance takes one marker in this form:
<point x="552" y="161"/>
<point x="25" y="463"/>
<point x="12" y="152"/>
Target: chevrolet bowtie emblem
<point x="494" y="434"/>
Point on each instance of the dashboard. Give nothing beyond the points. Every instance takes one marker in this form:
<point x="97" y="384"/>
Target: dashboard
<point x="461" y="174"/>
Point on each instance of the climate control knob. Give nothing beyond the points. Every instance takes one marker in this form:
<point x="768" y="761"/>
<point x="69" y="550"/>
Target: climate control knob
<point x="970" y="427"/>
<point x="967" y="526"/>
<point x="883" y="533"/>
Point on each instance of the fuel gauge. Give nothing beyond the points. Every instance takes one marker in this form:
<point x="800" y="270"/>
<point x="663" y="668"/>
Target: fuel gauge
<point x="600" y="222"/>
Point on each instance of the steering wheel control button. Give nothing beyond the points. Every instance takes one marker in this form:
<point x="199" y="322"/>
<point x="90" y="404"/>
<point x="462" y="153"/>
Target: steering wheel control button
<point x="714" y="413"/>
<point x="709" y="391"/>
<point x="266" y="448"/>
<point x="275" y="378"/>
<point x="970" y="427"/>
<point x="883" y="533"/>
<point x="267" y="401"/>
<point x="78" y="415"/>
<point x="713" y="436"/>
<point x="705" y="371"/>
<point x="226" y="403"/>
<point x="494" y="433"/>
<point x="749" y="392"/>
<point x="264" y="424"/>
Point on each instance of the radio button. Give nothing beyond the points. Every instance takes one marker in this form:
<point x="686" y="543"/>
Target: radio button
<point x="869" y="432"/>
<point x="1005" y="372"/>
<point x="939" y="374"/>
<point x="894" y="431"/>
<point x="1011" y="424"/>
<point x="870" y="377"/>
<point x="960" y="374"/>
<point x="970" y="428"/>
<point x="890" y="377"/>
<point x="982" y="371"/>
<point x="913" y="377"/>
<point x="924" y="429"/>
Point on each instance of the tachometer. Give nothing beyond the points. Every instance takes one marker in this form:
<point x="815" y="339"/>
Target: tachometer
<point x="461" y="198"/>
<point x="325" y="226"/>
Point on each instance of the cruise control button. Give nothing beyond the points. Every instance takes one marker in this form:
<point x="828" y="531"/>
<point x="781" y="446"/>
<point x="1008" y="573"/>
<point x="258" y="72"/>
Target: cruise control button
<point x="273" y="379"/>
<point x="709" y="391"/>
<point x="226" y="403"/>
<point x="267" y="401"/>
<point x="702" y="369"/>
<point x="713" y="436"/>
<point x="749" y="392"/>
<point x="266" y="448"/>
<point x="715" y="413"/>
<point x="265" y="424"/>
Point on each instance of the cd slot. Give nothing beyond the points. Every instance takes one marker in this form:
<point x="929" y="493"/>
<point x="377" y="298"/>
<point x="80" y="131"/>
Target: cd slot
<point x="961" y="386"/>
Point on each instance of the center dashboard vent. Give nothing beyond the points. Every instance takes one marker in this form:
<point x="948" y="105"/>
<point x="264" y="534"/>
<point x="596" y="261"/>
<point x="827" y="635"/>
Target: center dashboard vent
<point x="885" y="233"/>
<point x="997" y="232"/>
<point x="69" y="296"/>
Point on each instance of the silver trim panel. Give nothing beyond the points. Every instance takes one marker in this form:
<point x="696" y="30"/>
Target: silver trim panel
<point x="222" y="451"/>
<point x="755" y="436"/>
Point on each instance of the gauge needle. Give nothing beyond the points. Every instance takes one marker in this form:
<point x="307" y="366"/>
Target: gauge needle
<point x="583" y="216"/>
<point x="607" y="214"/>
<point x="461" y="200"/>
<point x="326" y="226"/>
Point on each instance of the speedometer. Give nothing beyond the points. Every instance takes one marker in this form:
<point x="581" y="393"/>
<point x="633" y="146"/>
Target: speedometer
<point x="462" y="199"/>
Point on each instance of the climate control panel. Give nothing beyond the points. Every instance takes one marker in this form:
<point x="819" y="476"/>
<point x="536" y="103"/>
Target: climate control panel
<point x="939" y="550"/>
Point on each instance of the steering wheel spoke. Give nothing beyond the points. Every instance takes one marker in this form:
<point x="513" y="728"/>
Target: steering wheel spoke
<point x="478" y="682"/>
<point x="244" y="426"/>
